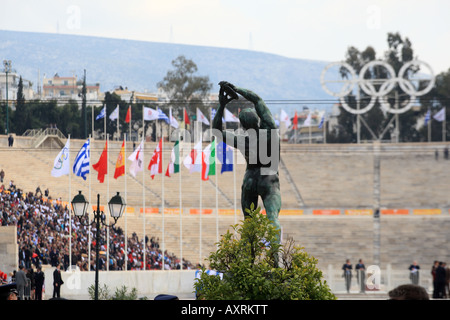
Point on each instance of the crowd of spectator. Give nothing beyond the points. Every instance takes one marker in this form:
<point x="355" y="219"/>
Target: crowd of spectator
<point x="44" y="236"/>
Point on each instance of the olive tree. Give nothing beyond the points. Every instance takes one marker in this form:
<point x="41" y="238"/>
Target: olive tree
<point x="256" y="267"/>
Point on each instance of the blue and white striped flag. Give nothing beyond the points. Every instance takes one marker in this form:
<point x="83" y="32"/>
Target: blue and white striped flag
<point x="163" y="116"/>
<point x="427" y="116"/>
<point x="102" y="114"/>
<point x="213" y="114"/>
<point x="81" y="163"/>
<point x="321" y="121"/>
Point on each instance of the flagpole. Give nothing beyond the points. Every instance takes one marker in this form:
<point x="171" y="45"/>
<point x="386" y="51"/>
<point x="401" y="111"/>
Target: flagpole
<point x="310" y="133"/>
<point x="444" y="124"/>
<point x="215" y="172"/>
<point x="217" y="191"/>
<point x="201" y="196"/>
<point x="118" y="131"/>
<point x="234" y="183"/>
<point x="92" y="120"/>
<point x="126" y="199"/>
<point x="170" y="124"/>
<point x="185" y="125"/>
<point x="104" y="124"/>
<point x="143" y="206"/>
<point x="429" y="130"/>
<point x="181" y="202"/>
<point x="129" y="125"/>
<point x="163" y="206"/>
<point x="107" y="197"/>
<point x="143" y="185"/>
<point x="89" y="214"/>
<point x="70" y="211"/>
<point x="210" y="124"/>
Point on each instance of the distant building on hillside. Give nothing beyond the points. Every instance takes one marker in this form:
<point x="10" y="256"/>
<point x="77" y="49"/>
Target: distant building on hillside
<point x="13" y="85"/>
<point x="134" y="96"/>
<point x="306" y="133"/>
<point x="70" y="88"/>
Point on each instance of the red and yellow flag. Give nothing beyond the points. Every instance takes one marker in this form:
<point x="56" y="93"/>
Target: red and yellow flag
<point x="120" y="164"/>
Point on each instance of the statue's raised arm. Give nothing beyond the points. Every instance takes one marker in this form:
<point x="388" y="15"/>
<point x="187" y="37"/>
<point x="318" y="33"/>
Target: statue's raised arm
<point x="226" y="94"/>
<point x="261" y="109"/>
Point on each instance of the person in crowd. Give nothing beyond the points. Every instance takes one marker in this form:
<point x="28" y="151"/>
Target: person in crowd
<point x="433" y="273"/>
<point x="43" y="235"/>
<point x="21" y="282"/>
<point x="414" y="273"/>
<point x="440" y="281"/>
<point x="447" y="281"/>
<point x="13" y="295"/>
<point x="39" y="279"/>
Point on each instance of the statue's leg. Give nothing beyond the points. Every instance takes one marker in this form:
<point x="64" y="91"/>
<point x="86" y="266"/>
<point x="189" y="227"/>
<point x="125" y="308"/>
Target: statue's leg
<point x="269" y="188"/>
<point x="249" y="192"/>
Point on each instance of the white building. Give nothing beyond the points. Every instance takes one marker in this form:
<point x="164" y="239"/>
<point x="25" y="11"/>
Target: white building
<point x="13" y="85"/>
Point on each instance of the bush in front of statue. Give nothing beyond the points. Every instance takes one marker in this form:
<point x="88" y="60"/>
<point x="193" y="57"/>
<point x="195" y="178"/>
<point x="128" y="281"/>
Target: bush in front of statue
<point x="254" y="266"/>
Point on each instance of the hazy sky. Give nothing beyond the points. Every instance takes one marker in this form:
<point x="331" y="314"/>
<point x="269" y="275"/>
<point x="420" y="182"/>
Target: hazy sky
<point x="316" y="29"/>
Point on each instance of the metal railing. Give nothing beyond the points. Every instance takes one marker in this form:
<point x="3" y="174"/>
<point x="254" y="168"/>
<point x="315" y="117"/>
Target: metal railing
<point x="41" y="136"/>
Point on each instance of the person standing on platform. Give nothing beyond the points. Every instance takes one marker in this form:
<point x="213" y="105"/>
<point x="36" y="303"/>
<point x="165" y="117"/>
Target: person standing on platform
<point x="39" y="278"/>
<point x="361" y="275"/>
<point x="57" y="282"/>
<point x="414" y="273"/>
<point x="21" y="282"/>
<point x="347" y="267"/>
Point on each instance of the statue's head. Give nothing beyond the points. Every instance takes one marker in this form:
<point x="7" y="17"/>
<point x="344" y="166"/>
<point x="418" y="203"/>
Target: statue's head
<point x="249" y="119"/>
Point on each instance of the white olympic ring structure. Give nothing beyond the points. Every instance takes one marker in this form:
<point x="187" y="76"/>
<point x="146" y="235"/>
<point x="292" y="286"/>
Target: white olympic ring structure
<point x="368" y="85"/>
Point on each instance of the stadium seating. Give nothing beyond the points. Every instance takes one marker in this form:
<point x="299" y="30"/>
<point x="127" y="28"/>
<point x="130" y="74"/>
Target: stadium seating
<point x="338" y="177"/>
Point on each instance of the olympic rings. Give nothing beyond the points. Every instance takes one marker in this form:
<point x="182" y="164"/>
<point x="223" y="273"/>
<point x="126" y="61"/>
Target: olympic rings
<point x="369" y="85"/>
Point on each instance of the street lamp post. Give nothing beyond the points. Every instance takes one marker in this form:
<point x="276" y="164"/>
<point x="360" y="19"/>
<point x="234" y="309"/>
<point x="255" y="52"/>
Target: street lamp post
<point x="116" y="208"/>
<point x="7" y="64"/>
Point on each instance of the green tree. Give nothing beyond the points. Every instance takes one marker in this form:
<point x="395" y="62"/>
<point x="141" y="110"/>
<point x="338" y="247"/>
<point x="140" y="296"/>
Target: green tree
<point x="183" y="85"/>
<point x="19" y="125"/>
<point x="111" y="101"/>
<point x="70" y="120"/>
<point x="83" y="106"/>
<point x="246" y="257"/>
<point x="435" y="100"/>
<point x="399" y="53"/>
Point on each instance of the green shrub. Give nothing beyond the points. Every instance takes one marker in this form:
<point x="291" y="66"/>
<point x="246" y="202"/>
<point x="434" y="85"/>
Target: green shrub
<point x="256" y="267"/>
<point x="121" y="293"/>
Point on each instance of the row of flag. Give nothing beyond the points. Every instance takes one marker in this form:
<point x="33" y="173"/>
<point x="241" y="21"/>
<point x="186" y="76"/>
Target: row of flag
<point x="438" y="116"/>
<point x="148" y="114"/>
<point x="198" y="160"/>
<point x="157" y="114"/>
<point x="287" y="120"/>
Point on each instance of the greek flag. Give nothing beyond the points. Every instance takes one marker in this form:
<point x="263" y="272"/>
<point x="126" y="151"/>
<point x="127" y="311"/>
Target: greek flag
<point x="213" y="114"/>
<point x="81" y="163"/>
<point x="321" y="121"/>
<point x="427" y="116"/>
<point x="102" y="114"/>
<point x="163" y="116"/>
